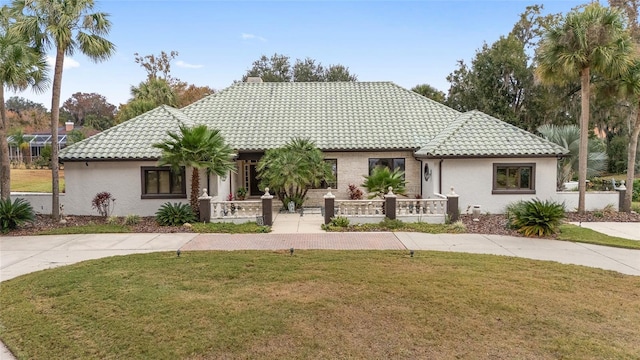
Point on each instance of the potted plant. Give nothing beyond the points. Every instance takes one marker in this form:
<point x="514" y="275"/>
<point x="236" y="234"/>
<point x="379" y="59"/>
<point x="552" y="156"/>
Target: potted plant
<point x="241" y="193"/>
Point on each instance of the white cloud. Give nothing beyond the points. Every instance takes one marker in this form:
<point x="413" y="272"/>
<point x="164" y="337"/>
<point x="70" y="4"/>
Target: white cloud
<point x="68" y="62"/>
<point x="183" y="64"/>
<point x="252" y="36"/>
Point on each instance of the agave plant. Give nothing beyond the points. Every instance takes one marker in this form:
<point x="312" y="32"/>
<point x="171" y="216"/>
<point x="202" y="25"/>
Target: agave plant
<point x="14" y="214"/>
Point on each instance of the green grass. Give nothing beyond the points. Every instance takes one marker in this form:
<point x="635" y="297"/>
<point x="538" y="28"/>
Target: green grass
<point x="321" y="305"/>
<point x="570" y="232"/>
<point x="30" y="180"/>
<point x="87" y="229"/>
<point x="397" y="225"/>
<point x="230" y="228"/>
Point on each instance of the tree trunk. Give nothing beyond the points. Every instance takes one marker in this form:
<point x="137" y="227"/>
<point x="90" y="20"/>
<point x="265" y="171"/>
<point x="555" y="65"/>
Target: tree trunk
<point x="5" y="164"/>
<point x="584" y="140"/>
<point x="195" y="189"/>
<point x="631" y="162"/>
<point x="55" y="115"/>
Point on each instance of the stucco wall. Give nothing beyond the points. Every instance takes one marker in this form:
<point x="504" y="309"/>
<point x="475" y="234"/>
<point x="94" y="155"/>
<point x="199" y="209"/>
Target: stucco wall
<point x="594" y="200"/>
<point x="40" y="202"/>
<point x="472" y="180"/>
<point x="353" y="166"/>
<point x="122" y="179"/>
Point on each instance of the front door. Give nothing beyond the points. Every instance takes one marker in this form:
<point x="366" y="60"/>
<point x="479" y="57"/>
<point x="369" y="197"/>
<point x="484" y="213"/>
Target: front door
<point x="253" y="181"/>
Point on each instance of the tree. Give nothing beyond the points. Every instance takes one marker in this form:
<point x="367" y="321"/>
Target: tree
<point x="381" y="178"/>
<point x="68" y="26"/>
<point x="160" y="88"/>
<point x="568" y="136"/>
<point x="81" y="106"/>
<point x="500" y="79"/>
<point x="585" y="42"/>
<point x="430" y="92"/>
<point x="20" y="67"/>
<point x="278" y="68"/>
<point x="21" y="142"/>
<point x="198" y="148"/>
<point x="19" y="105"/>
<point x="629" y="85"/>
<point x="290" y="171"/>
<point x="154" y="65"/>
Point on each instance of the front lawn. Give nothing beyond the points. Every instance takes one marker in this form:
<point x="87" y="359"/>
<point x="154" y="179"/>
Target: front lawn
<point x="321" y="305"/>
<point x="32" y="180"/>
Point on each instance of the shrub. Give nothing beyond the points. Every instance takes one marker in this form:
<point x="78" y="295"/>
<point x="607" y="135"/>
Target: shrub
<point x="636" y="190"/>
<point x="339" y="221"/>
<point x="103" y="202"/>
<point x="391" y="224"/>
<point x="459" y="227"/>
<point x="113" y="220"/>
<point x="132" y="219"/>
<point x="14" y="214"/>
<point x="381" y="178"/>
<point x="355" y="193"/>
<point x="176" y="214"/>
<point x="535" y="217"/>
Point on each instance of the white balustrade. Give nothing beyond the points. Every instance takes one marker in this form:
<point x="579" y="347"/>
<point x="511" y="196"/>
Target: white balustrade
<point x="245" y="209"/>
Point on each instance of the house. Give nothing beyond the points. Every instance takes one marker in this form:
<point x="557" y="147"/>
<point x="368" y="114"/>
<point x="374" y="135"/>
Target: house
<point x="356" y="124"/>
<point x="37" y="141"/>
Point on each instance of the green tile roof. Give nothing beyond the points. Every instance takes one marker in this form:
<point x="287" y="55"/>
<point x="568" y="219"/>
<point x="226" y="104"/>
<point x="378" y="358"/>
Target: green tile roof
<point x="477" y="134"/>
<point x="130" y="140"/>
<point x="335" y="115"/>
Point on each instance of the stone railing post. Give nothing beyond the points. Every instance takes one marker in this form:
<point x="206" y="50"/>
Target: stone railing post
<point x="329" y="206"/>
<point x="267" y="207"/>
<point x="452" y="206"/>
<point x="204" y="206"/>
<point x="390" y="204"/>
<point x="622" y="204"/>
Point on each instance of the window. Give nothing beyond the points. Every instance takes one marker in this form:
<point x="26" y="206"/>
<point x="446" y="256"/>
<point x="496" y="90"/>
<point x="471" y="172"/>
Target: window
<point x="391" y="163"/>
<point x="514" y="179"/>
<point x="334" y="169"/>
<point x="161" y="182"/>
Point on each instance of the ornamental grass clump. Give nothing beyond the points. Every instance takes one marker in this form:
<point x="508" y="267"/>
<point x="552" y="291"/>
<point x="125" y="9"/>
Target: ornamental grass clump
<point x="14" y="214"/>
<point x="176" y="214"/>
<point x="535" y="217"/>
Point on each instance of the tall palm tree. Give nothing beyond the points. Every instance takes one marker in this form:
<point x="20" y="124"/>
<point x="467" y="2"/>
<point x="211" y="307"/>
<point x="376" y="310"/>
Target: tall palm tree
<point x="588" y="41"/>
<point x="20" y="67"/>
<point x="630" y="88"/>
<point x="568" y="136"/>
<point x="198" y="148"/>
<point x="67" y="26"/>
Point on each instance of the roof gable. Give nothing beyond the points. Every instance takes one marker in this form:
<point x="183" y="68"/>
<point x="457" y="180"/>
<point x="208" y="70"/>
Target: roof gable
<point x="476" y="134"/>
<point x="131" y="140"/>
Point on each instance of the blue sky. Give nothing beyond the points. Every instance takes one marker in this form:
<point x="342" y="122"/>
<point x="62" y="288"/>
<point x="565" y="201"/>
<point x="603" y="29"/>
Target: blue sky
<point x="406" y="42"/>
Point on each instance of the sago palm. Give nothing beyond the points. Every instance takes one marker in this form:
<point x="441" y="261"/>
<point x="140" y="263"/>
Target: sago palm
<point x="67" y="26"/>
<point x="198" y="148"/>
<point x="21" y="67"/>
<point x="587" y="41"/>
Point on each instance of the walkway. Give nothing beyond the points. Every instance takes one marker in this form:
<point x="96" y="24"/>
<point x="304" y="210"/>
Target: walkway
<point x="26" y="254"/>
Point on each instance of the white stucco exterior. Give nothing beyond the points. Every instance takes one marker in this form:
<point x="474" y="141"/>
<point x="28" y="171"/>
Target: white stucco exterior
<point x="83" y="180"/>
<point x="472" y="180"/>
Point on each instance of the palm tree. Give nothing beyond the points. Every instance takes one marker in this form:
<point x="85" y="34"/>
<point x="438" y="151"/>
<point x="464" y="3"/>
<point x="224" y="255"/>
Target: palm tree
<point x="199" y="148"/>
<point x="20" y="67"/>
<point x="630" y="88"/>
<point x="290" y="171"/>
<point x="593" y="40"/>
<point x="68" y="26"/>
<point x="568" y="136"/>
<point x="381" y="178"/>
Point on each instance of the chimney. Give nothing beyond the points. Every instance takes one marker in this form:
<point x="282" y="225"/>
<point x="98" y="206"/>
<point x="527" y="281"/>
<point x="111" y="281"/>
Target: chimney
<point x="254" y="80"/>
<point x="68" y="126"/>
